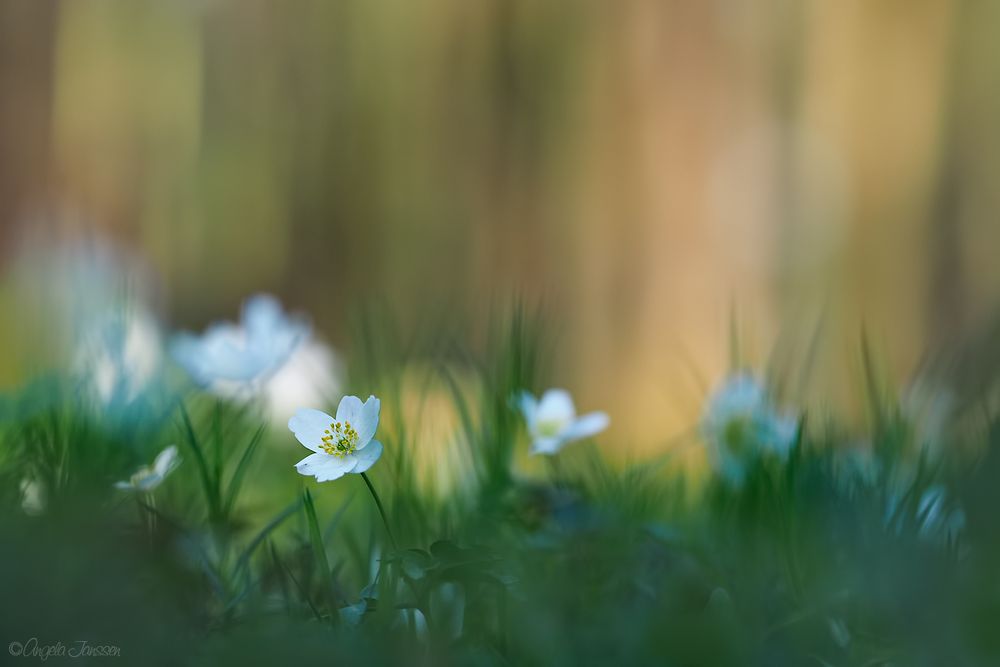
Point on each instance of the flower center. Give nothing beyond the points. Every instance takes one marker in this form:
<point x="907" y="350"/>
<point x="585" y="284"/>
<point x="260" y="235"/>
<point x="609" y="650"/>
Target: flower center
<point x="139" y="476"/>
<point x="550" y="428"/>
<point x="340" y="439"/>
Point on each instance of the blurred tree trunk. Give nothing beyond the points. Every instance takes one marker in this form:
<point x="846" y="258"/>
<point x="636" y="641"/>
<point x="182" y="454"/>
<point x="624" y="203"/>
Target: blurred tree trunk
<point x="27" y="35"/>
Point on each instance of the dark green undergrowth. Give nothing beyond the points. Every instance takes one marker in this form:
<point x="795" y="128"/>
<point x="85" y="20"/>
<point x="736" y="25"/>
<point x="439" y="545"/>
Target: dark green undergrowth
<point x="878" y="551"/>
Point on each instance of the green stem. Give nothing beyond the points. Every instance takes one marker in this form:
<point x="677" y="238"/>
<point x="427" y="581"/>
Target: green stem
<point x="146" y="517"/>
<point x="381" y="510"/>
<point x="555" y="469"/>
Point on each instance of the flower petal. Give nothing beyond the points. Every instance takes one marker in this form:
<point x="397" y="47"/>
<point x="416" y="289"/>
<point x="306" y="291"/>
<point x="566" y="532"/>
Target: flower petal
<point x="367" y="457"/>
<point x="324" y="467"/>
<point x="149" y="481"/>
<point x="586" y="426"/>
<point x="741" y="394"/>
<point x="362" y="416"/>
<point x="556" y="405"/>
<point x="311" y="376"/>
<point x="547" y="446"/>
<point x="271" y="334"/>
<point x="186" y="350"/>
<point x="261" y="314"/>
<point x="308" y="426"/>
<point x="367" y="421"/>
<point x="224" y="354"/>
<point x="528" y="405"/>
<point x="783" y="431"/>
<point x="166" y="461"/>
<point x="349" y="410"/>
<point x="243" y="353"/>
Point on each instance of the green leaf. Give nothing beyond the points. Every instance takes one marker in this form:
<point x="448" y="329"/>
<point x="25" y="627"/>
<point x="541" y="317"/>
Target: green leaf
<point x="244" y="558"/>
<point x="302" y="591"/>
<point x="316" y="537"/>
<point x="210" y="487"/>
<point x="232" y="491"/>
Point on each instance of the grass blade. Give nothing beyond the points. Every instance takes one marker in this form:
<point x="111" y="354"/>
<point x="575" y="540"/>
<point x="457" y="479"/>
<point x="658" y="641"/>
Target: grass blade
<point x="316" y="537"/>
<point x="244" y="558"/>
<point x="232" y="491"/>
<point x="210" y="487"/>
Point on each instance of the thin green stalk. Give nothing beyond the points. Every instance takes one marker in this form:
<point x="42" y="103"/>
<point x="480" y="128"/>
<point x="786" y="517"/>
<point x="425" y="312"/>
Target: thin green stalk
<point x="555" y="469"/>
<point x="319" y="550"/>
<point x="381" y="510"/>
<point x="146" y="506"/>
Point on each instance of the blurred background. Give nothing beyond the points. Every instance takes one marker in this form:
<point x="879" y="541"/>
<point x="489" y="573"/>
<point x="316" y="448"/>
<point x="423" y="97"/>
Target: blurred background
<point x="648" y="173"/>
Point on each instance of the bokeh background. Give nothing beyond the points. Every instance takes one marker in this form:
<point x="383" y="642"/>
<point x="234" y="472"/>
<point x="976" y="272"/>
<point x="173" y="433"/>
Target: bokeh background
<point x="652" y="174"/>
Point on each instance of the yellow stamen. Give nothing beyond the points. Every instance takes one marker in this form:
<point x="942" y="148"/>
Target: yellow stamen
<point x="341" y="439"/>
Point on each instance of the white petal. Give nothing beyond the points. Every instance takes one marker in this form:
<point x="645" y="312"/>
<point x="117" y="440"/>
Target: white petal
<point x="185" y="349"/>
<point x="324" y="467"/>
<point x="124" y="486"/>
<point x="349" y="410"/>
<point x="105" y="376"/>
<point x="547" y="446"/>
<point x="311" y="376"/>
<point x="272" y="335"/>
<point x="367" y="421"/>
<point x="740" y="394"/>
<point x="166" y="461"/>
<point x="367" y="457"/>
<point x="308" y="426"/>
<point x="225" y="355"/>
<point x="261" y="314"/>
<point x="334" y="469"/>
<point x="784" y="429"/>
<point x="141" y="352"/>
<point x="149" y="481"/>
<point x="307" y="465"/>
<point x="529" y="407"/>
<point x="586" y="426"/>
<point x="556" y="406"/>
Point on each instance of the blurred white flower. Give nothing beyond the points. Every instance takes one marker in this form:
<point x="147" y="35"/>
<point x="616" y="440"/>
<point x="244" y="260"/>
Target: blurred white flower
<point x="244" y="353"/>
<point x="77" y="296"/>
<point x="936" y="517"/>
<point x="311" y="376"/>
<point x="269" y="355"/>
<point x="938" y="514"/>
<point x="741" y="423"/>
<point x="552" y="421"/>
<point x="342" y="445"/>
<point x="32" y="497"/>
<point x="119" y="355"/>
<point x="147" y="478"/>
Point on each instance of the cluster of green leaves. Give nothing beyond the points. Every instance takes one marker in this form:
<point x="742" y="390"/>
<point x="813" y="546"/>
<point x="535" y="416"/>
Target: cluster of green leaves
<point x="838" y="556"/>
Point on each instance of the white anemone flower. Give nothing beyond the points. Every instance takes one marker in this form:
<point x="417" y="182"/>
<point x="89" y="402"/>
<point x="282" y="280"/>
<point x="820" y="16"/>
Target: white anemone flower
<point x="741" y="423"/>
<point x="552" y="421"/>
<point x="311" y="376"/>
<point x="32" y="496"/>
<point x="342" y="444"/>
<point x="232" y="357"/>
<point x="119" y="355"/>
<point x="148" y="478"/>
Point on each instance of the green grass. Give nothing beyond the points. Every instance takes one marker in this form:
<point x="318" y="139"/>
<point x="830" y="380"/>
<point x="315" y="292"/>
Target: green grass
<point x="828" y="558"/>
